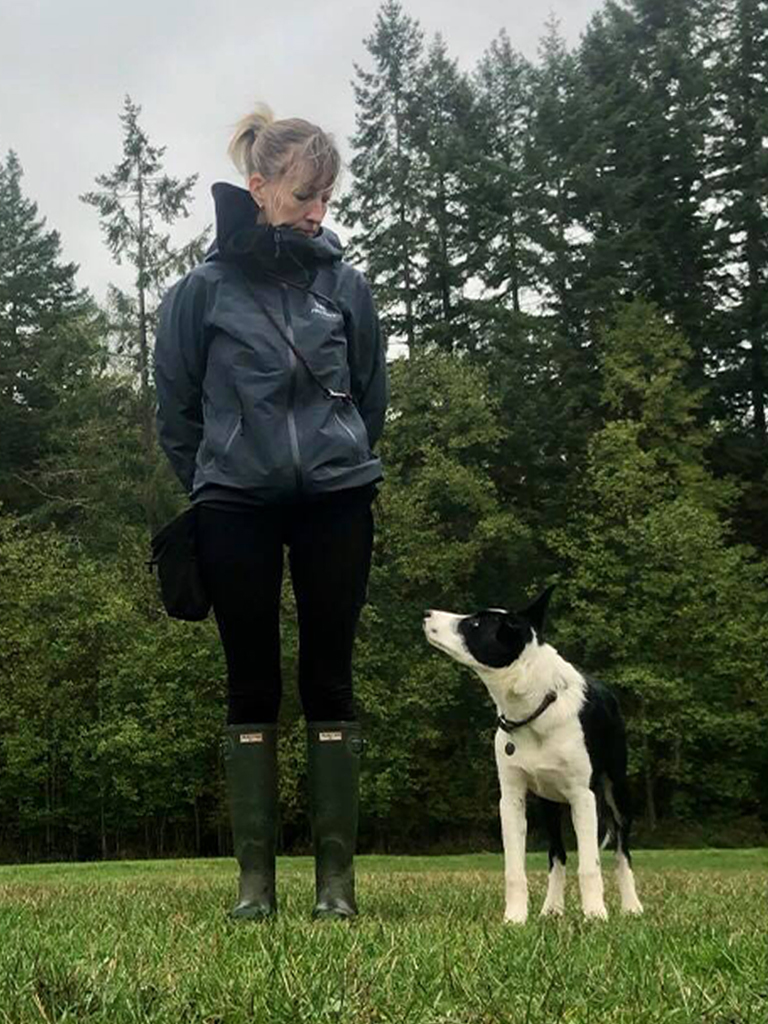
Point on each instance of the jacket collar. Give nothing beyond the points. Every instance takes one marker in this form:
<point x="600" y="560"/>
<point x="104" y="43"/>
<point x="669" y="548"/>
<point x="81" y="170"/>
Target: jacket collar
<point x="280" y="250"/>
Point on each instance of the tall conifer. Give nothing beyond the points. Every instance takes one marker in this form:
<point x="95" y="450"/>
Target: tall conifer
<point x="381" y="201"/>
<point x="133" y="200"/>
<point x="501" y="255"/>
<point x="442" y="133"/>
<point x="661" y="597"/>
<point x="642" y="161"/>
<point x="44" y="349"/>
<point x="740" y="187"/>
<point x="552" y="222"/>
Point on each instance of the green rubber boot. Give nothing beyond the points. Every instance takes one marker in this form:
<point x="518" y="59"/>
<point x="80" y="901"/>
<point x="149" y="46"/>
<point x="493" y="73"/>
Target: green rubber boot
<point x="251" y="769"/>
<point x="334" y="781"/>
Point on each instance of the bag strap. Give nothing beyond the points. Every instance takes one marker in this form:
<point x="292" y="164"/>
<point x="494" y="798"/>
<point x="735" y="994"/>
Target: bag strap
<point x="328" y="392"/>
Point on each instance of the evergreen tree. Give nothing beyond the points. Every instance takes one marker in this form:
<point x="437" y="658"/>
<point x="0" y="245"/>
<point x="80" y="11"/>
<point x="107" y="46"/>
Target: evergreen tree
<point x="543" y="359"/>
<point x="739" y="189"/>
<point x="442" y="134"/>
<point x="662" y="600"/>
<point x="46" y="340"/>
<point x="445" y="538"/>
<point x="380" y="205"/>
<point x="94" y="683"/>
<point x="741" y="166"/>
<point x="642" y="162"/>
<point x="552" y="218"/>
<point x="518" y="337"/>
<point x="500" y="251"/>
<point x="97" y="479"/>
<point x="131" y="201"/>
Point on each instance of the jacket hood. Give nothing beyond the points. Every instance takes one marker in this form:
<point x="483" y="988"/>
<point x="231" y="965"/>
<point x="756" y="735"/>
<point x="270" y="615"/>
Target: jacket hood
<point x="281" y="249"/>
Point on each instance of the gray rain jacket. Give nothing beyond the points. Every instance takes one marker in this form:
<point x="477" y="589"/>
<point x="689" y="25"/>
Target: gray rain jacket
<point x="238" y="415"/>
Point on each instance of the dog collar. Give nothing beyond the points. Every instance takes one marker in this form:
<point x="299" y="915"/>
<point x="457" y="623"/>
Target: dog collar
<point x="509" y="726"/>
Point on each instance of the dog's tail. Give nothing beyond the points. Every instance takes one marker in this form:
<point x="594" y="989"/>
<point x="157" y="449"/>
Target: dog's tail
<point x="607" y="826"/>
<point x="609" y="839"/>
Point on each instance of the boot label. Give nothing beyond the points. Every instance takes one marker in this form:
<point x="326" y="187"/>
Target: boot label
<point x="326" y="737"/>
<point x="251" y="737"/>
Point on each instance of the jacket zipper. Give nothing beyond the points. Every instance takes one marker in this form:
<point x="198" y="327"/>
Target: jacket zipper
<point x="292" y="431"/>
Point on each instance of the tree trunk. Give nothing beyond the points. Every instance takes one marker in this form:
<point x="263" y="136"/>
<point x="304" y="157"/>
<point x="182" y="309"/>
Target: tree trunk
<point x="650" y="801"/>
<point x="410" y="331"/>
<point x="404" y="228"/>
<point x="103" y="826"/>
<point x="514" y="271"/>
<point x="147" y="404"/>
<point x="754" y="304"/>
<point x="442" y="220"/>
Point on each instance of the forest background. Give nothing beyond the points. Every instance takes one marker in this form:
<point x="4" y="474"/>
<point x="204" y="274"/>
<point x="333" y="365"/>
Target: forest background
<point x="570" y="258"/>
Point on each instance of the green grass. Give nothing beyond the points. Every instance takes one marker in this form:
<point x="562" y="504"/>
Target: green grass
<point x="150" y="941"/>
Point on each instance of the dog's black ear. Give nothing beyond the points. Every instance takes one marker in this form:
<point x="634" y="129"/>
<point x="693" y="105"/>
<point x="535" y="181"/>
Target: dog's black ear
<point x="536" y="613"/>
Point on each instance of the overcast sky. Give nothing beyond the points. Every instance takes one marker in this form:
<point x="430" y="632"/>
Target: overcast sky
<point x="195" y="67"/>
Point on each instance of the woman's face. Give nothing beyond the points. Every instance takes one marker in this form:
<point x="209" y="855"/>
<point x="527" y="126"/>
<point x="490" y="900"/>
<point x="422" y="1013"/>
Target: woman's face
<point x="288" y="203"/>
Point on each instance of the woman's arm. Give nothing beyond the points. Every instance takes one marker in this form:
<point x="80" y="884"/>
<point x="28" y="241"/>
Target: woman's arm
<point x="180" y="357"/>
<point x="367" y="358"/>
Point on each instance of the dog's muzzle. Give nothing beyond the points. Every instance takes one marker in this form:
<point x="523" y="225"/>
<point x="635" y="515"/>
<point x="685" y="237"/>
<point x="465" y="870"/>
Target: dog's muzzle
<point x="429" y="624"/>
<point x="440" y="631"/>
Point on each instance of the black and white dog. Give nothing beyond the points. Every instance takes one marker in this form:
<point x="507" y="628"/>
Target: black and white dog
<point x="560" y="735"/>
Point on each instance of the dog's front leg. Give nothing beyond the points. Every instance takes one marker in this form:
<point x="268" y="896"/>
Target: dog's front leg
<point x="584" y="816"/>
<point x="513" y="831"/>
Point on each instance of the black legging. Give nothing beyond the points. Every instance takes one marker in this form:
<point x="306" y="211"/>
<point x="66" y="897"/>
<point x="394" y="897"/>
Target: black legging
<point x="241" y="556"/>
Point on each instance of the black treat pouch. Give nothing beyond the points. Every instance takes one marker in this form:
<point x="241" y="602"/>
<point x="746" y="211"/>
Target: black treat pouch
<point x="174" y="552"/>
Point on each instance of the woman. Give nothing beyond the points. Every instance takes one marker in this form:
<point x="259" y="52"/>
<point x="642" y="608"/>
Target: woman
<point x="271" y="385"/>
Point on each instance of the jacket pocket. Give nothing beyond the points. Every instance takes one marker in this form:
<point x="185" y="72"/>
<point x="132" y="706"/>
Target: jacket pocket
<point x="237" y="429"/>
<point x="350" y="421"/>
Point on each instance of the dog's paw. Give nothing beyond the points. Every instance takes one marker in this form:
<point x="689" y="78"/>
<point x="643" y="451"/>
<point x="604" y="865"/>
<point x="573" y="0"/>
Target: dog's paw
<point x="515" y="915"/>
<point x="633" y="906"/>
<point x="596" y="913"/>
<point x="552" y="910"/>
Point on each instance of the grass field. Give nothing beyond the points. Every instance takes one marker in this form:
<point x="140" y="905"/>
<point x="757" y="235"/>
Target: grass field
<point x="150" y="941"/>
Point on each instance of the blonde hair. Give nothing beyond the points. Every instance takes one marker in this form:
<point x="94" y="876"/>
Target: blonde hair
<point x="291" y="147"/>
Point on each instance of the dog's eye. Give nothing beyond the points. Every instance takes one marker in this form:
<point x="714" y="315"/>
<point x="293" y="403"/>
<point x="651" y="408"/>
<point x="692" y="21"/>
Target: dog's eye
<point x="474" y="623"/>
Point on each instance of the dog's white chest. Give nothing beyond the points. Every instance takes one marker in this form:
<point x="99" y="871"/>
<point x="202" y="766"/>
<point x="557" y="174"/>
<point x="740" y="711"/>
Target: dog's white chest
<point x="553" y="766"/>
